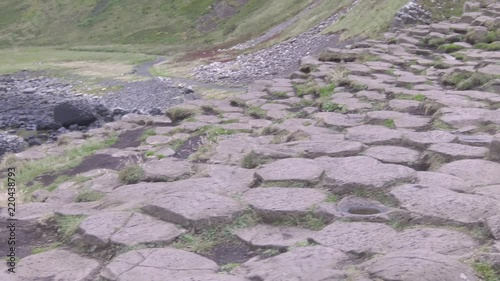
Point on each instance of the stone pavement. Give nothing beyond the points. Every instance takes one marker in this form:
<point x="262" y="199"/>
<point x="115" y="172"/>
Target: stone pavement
<point x="376" y="162"/>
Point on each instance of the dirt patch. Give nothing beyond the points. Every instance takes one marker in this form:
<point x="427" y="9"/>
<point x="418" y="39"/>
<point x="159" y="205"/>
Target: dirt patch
<point x="129" y="139"/>
<point x="231" y="253"/>
<point x="31" y="237"/>
<point x="189" y="147"/>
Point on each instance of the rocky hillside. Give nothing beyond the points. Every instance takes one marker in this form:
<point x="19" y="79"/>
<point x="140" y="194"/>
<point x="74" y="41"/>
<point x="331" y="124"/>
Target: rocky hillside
<point x="378" y="161"/>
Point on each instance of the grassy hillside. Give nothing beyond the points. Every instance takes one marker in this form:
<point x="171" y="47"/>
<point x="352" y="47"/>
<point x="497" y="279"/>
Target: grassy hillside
<point x="167" y="22"/>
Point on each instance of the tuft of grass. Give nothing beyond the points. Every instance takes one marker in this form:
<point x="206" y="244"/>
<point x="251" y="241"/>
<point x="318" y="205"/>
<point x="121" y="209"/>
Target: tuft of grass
<point x="212" y="133"/>
<point x="279" y="95"/>
<point x="327" y="91"/>
<point x="389" y="123"/>
<point x="179" y="113"/>
<point x="332" y="198"/>
<point x="147" y="133"/>
<point x="237" y="102"/>
<point x="329" y="106"/>
<point x="27" y="171"/>
<point x="131" y="174"/>
<point x="418" y="97"/>
<point x="338" y="76"/>
<point x="486" y="271"/>
<point x="149" y="153"/>
<point x="226" y="268"/>
<point x="52" y="246"/>
<point x="441" y="65"/>
<point x="67" y="225"/>
<point x="450" y="48"/>
<point x="464" y="80"/>
<point x="494" y="46"/>
<point x="209" y="109"/>
<point x="256" y="112"/>
<point x="252" y="161"/>
<point x="89" y="196"/>
<point x="308" y="221"/>
<point x="309" y="88"/>
<point x="440" y="125"/>
<point x="176" y="144"/>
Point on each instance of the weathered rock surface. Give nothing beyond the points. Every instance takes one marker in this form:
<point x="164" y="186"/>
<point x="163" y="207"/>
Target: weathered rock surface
<point x="158" y="264"/>
<point x="417" y="265"/>
<point x="56" y="265"/>
<point x="273" y="236"/>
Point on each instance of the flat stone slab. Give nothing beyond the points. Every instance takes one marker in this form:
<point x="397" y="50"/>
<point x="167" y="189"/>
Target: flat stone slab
<point x="443" y="180"/>
<point x="457" y="151"/>
<point x="475" y="172"/>
<point x="158" y="265"/>
<point x="333" y="119"/>
<point x="439" y="240"/>
<point x="196" y="209"/>
<point x="273" y="236"/>
<point x="126" y="229"/>
<point x="54" y="265"/>
<point x="167" y="169"/>
<point x="276" y="202"/>
<point x="345" y="174"/>
<point x="417" y="265"/>
<point x="314" y="149"/>
<point x="106" y="182"/>
<point x="212" y="277"/>
<point x="356" y="237"/>
<point x="290" y="170"/>
<point x="437" y="204"/>
<point x="373" y="134"/>
<point x="155" y="140"/>
<point x="424" y="139"/>
<point x="393" y="154"/>
<point x="313" y="263"/>
<point x="492" y="191"/>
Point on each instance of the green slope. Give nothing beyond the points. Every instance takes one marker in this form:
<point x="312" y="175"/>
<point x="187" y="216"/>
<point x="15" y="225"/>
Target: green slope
<point x="169" y="22"/>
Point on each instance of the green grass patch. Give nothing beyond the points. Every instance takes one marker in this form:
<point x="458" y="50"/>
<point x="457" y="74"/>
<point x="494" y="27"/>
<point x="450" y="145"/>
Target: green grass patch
<point x="256" y="112"/>
<point x="131" y="174"/>
<point x="252" y="161"/>
<point x="495" y="46"/>
<point x="418" y="97"/>
<point x="180" y="113"/>
<point x="332" y="198"/>
<point x="204" y="240"/>
<point x="329" y="106"/>
<point x="368" y="18"/>
<point x="327" y="91"/>
<point x="146" y="134"/>
<point x="464" y="80"/>
<point x="389" y="123"/>
<point x="486" y="271"/>
<point x="308" y="221"/>
<point x="27" y="171"/>
<point x="67" y="226"/>
<point x="89" y="196"/>
<point x="450" y="48"/>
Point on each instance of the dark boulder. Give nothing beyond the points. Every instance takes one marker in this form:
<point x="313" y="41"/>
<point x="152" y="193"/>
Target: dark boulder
<point x="75" y="112"/>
